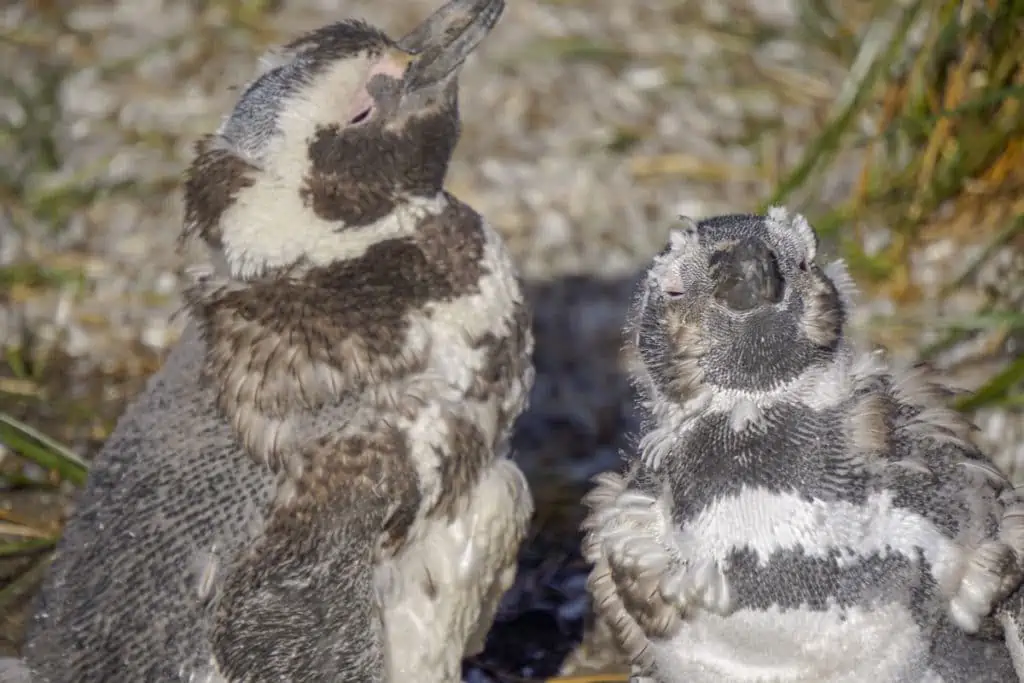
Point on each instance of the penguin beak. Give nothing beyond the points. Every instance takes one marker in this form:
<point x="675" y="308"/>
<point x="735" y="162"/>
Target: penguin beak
<point x="443" y="41"/>
<point x="747" y="276"/>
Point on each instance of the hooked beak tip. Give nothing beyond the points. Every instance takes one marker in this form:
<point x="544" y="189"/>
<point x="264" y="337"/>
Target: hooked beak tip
<point x="442" y="42"/>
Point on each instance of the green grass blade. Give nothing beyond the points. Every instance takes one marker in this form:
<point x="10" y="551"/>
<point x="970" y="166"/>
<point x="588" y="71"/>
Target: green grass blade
<point x="30" y="545"/>
<point x="984" y="321"/>
<point x="42" y="450"/>
<point x="25" y="584"/>
<point x="828" y="142"/>
<point x="997" y="388"/>
<point x="1003" y="237"/>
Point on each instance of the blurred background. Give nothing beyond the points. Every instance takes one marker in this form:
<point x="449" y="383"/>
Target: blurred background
<point x="590" y="125"/>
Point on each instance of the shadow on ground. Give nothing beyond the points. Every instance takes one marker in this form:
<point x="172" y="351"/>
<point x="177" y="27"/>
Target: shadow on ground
<point x="580" y="413"/>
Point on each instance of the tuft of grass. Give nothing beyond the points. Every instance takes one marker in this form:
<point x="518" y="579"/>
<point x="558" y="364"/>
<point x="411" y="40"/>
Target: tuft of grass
<point x="21" y="540"/>
<point x="881" y="45"/>
<point x="943" y="84"/>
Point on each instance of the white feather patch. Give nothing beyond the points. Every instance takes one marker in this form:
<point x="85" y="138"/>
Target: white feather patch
<point x="744" y="413"/>
<point x="797" y="646"/>
<point x="442" y="589"/>
<point x="839" y="274"/>
<point x="766" y="522"/>
<point x="270" y="227"/>
<point x="781" y="219"/>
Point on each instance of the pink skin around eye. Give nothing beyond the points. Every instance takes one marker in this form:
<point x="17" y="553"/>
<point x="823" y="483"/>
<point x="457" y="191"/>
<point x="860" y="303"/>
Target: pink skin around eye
<point x="390" y="64"/>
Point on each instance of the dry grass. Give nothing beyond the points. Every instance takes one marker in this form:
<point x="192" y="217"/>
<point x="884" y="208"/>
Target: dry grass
<point x="944" y="162"/>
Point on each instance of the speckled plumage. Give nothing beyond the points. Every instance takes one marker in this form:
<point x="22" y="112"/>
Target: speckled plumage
<point x="796" y="509"/>
<point x="315" y="486"/>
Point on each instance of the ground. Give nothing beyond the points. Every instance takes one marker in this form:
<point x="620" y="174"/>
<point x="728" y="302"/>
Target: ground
<point x="589" y="126"/>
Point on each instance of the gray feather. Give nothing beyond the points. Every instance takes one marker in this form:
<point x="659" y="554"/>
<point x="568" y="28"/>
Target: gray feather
<point x="796" y="509"/>
<point x="315" y="487"/>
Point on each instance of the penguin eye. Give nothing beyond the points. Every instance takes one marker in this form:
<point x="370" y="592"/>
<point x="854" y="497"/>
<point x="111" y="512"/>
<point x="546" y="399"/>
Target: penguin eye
<point x="361" y="116"/>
